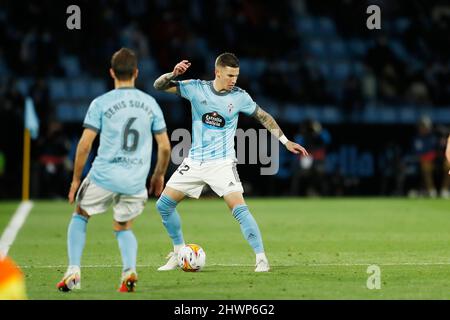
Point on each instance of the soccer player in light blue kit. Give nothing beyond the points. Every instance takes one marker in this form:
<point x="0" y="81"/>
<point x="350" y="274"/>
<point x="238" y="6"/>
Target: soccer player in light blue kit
<point x="125" y="118"/>
<point x="215" y="110"/>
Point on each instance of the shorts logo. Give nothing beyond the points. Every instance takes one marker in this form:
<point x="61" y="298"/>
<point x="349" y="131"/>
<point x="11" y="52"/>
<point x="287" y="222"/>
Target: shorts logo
<point x="213" y="119"/>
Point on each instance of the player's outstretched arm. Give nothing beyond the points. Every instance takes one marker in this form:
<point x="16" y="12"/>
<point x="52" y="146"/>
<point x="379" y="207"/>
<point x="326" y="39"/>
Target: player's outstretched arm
<point x="447" y="151"/>
<point x="166" y="83"/>
<point x="83" y="149"/>
<point x="270" y="124"/>
<point x="157" y="179"/>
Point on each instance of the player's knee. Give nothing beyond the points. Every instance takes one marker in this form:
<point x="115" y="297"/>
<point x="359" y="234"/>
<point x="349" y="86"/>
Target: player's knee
<point x="81" y="212"/>
<point x="122" y="225"/>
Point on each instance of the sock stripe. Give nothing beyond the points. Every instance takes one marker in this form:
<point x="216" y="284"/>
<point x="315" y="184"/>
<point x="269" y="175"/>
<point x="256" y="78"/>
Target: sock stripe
<point x="168" y="201"/>
<point x="77" y="216"/>
<point x="238" y="210"/>
<point x="120" y="231"/>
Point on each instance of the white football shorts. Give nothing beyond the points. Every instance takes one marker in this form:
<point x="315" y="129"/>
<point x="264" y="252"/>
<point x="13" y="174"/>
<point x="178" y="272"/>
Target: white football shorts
<point x="94" y="200"/>
<point x="192" y="175"/>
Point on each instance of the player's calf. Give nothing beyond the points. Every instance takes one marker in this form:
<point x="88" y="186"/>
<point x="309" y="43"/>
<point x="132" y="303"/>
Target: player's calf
<point x="166" y="207"/>
<point x="251" y="233"/>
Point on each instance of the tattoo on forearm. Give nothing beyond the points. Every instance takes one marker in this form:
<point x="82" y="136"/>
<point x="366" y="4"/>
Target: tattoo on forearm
<point x="268" y="122"/>
<point x="164" y="82"/>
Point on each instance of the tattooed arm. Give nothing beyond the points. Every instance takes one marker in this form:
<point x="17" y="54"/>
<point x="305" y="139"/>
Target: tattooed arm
<point x="270" y="124"/>
<point x="166" y="81"/>
<point x="447" y="151"/>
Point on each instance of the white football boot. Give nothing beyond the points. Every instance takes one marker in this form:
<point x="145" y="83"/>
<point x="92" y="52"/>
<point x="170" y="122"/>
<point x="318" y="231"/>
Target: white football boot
<point x="71" y="279"/>
<point x="171" y="264"/>
<point x="262" y="265"/>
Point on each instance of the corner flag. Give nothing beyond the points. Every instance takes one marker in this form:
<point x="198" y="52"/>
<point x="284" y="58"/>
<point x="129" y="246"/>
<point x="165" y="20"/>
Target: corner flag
<point x="31" y="119"/>
<point x="31" y="130"/>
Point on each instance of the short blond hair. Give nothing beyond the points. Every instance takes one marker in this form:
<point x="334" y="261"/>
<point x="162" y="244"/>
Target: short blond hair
<point x="227" y="59"/>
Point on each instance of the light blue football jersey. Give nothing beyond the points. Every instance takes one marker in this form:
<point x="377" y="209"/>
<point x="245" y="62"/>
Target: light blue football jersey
<point x="214" y="118"/>
<point x="125" y="119"/>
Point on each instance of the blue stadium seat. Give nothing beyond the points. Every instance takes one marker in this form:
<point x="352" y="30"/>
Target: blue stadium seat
<point x="255" y="67"/>
<point x="337" y="49"/>
<point x="326" y="26"/>
<point x="325" y="68"/>
<point x="78" y="88"/>
<point x="97" y="87"/>
<point x="147" y="67"/>
<point x="399" y="49"/>
<point x="64" y="112"/>
<point x="441" y="115"/>
<point x="310" y="112"/>
<point x="407" y="114"/>
<point x="400" y="25"/>
<point x="202" y="47"/>
<point x="71" y="112"/>
<point x="292" y="113"/>
<point x="340" y="71"/>
<point x="357" y="47"/>
<point x="269" y="105"/>
<point x="70" y="65"/>
<point x="3" y="67"/>
<point x="357" y="69"/>
<point x="330" y="114"/>
<point x="57" y="88"/>
<point x="23" y="85"/>
<point x="305" y="25"/>
<point x="379" y="114"/>
<point x="316" y="48"/>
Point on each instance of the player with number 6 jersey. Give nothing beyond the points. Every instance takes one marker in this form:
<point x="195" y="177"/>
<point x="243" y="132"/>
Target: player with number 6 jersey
<point x="126" y="117"/>
<point x="126" y="120"/>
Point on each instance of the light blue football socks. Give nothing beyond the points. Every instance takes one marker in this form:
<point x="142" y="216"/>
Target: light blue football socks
<point x="76" y="238"/>
<point x="249" y="227"/>
<point x="171" y="219"/>
<point x="128" y="248"/>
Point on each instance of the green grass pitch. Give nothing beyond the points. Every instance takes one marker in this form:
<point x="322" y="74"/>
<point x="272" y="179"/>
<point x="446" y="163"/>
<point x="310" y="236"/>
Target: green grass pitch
<point x="318" y="249"/>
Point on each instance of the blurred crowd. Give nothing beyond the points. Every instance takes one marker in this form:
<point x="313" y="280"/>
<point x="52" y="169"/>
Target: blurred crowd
<point x="298" y="52"/>
<point x="312" y="44"/>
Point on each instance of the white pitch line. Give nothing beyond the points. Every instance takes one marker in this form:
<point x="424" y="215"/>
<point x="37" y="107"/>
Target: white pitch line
<point x="380" y="264"/>
<point x="11" y="231"/>
<point x="251" y="265"/>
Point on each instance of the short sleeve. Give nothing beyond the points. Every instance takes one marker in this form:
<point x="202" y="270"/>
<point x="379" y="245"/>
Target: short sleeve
<point x="187" y="88"/>
<point x="158" y="124"/>
<point x="248" y="106"/>
<point x="93" y="119"/>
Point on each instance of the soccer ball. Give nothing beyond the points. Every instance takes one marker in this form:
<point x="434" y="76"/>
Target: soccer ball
<point x="191" y="258"/>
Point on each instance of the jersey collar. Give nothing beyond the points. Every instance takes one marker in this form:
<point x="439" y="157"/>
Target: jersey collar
<point x="215" y="91"/>
<point x="121" y="88"/>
